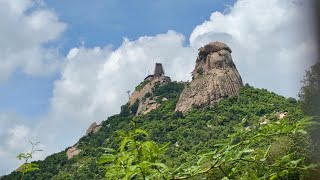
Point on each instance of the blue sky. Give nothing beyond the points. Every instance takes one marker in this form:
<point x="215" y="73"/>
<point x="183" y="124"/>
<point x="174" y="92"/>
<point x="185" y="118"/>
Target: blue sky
<point x="100" y="23"/>
<point x="107" y="22"/>
<point x="66" y="64"/>
<point x="28" y="96"/>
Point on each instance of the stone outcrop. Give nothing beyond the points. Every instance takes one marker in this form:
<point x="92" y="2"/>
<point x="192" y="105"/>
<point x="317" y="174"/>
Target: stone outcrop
<point x="73" y="151"/>
<point x="215" y="76"/>
<point x="146" y="104"/>
<point x="282" y="115"/>
<point x="147" y="88"/>
<point x="93" y="128"/>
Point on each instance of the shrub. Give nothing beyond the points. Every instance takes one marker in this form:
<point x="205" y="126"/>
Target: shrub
<point x="200" y="71"/>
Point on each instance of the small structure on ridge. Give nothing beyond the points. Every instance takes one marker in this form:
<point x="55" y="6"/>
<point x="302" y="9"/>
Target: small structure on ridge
<point x="145" y="88"/>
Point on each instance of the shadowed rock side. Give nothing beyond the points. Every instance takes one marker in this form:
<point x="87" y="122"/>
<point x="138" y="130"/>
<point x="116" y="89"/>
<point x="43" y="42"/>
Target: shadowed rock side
<point x="215" y="77"/>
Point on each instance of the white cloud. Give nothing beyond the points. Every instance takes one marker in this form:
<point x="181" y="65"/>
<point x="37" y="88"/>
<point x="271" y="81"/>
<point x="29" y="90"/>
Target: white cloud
<point x="268" y="49"/>
<point x="22" y="36"/>
<point x="72" y="53"/>
<point x="272" y="41"/>
<point x="15" y="133"/>
<point x="26" y="26"/>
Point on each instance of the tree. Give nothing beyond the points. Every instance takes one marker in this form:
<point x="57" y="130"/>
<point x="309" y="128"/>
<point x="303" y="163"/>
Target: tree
<point x="27" y="167"/>
<point x="310" y="92"/>
<point x="310" y="103"/>
<point x="135" y="159"/>
<point x="134" y="107"/>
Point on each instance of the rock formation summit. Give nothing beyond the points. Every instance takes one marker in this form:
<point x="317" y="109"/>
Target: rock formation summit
<point x="215" y="77"/>
<point x="146" y="103"/>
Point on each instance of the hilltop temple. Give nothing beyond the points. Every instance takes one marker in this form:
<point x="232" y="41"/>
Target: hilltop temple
<point x="158" y="72"/>
<point x="147" y="104"/>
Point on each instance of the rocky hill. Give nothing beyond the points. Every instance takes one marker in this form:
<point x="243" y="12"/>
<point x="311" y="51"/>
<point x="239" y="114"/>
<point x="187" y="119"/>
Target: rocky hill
<point x="212" y="128"/>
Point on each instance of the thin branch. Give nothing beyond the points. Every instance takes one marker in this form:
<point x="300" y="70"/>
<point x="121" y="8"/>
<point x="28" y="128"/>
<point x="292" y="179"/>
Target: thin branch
<point x="223" y="171"/>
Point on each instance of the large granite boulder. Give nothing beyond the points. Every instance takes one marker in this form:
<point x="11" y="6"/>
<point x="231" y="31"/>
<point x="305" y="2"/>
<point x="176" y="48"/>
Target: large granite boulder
<point x="72" y="151"/>
<point x="215" y="76"/>
<point x="93" y="128"/>
<point x="214" y="47"/>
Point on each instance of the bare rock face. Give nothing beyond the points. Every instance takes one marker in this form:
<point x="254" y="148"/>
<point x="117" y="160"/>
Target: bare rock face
<point x="213" y="47"/>
<point x="145" y="103"/>
<point x="148" y="87"/>
<point x="93" y="128"/>
<point x="73" y="151"/>
<point x="282" y="115"/>
<point x="215" y="76"/>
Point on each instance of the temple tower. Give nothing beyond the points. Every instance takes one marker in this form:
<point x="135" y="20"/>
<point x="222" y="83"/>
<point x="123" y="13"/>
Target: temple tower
<point x="158" y="70"/>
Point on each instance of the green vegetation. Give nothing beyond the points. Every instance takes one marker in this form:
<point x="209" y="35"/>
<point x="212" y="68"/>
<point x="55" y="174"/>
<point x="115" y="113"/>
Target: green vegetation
<point x="310" y="104"/>
<point x="240" y="137"/>
<point x="200" y="71"/>
<point x="27" y="167"/>
<point x="134" y="158"/>
<point x="141" y="85"/>
<point x="249" y="153"/>
<point x="310" y="92"/>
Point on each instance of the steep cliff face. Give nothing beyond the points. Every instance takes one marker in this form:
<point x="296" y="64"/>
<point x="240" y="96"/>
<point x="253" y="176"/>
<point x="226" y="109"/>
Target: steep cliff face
<point x="215" y="76"/>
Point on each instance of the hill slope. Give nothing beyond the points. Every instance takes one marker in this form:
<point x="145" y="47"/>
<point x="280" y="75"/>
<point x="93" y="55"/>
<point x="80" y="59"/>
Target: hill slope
<point x="190" y="135"/>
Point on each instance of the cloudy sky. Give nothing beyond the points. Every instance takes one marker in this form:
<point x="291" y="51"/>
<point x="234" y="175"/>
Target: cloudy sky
<point x="66" y="64"/>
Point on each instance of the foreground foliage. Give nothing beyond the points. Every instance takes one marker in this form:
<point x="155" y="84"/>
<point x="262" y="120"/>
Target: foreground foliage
<point x="28" y="167"/>
<point x="249" y="153"/>
<point x="134" y="158"/>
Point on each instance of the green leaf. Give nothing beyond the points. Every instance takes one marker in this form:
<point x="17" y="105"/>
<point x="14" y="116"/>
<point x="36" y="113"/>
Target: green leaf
<point x="164" y="147"/>
<point x="21" y="156"/>
<point x="140" y="131"/>
<point x="263" y="159"/>
<point x="295" y="163"/>
<point x="124" y="143"/>
<point x="161" y="165"/>
<point x="247" y="150"/>
<point x="284" y="172"/>
<point x="108" y="150"/>
<point x="273" y="176"/>
<point x="106" y="158"/>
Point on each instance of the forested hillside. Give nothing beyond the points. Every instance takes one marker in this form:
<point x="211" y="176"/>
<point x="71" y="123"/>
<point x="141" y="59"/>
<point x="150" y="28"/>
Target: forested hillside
<point x="257" y="134"/>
